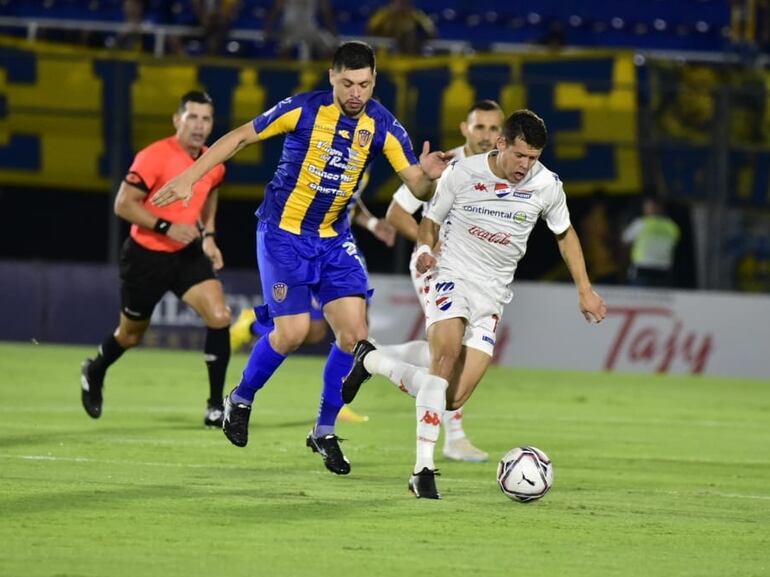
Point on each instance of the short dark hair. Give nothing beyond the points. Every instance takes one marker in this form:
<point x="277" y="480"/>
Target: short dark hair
<point x="486" y="105"/>
<point x="194" y="96"/>
<point x="353" y="55"/>
<point x="528" y="126"/>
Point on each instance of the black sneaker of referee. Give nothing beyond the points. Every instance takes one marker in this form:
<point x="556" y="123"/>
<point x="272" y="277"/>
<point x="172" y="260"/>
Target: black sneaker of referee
<point x="91" y="390"/>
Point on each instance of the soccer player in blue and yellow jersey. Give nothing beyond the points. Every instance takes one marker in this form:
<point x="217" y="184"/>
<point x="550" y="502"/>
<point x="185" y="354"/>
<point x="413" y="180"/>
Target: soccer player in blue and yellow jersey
<point x="244" y="330"/>
<point x="304" y="245"/>
<point x="170" y="249"/>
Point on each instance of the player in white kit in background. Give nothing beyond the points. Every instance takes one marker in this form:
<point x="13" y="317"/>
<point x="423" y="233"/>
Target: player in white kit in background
<point x="485" y="207"/>
<point x="481" y="129"/>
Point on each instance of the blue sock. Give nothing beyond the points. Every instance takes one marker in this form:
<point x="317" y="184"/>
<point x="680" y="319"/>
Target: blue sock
<point x="261" y="365"/>
<point x="259" y="330"/>
<point x="337" y="367"/>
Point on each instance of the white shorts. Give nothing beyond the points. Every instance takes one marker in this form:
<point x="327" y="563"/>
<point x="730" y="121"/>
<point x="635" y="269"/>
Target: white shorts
<point x="453" y="298"/>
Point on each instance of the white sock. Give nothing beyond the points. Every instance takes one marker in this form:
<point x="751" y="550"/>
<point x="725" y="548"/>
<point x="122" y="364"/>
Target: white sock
<point x="406" y="377"/>
<point x="453" y="425"/>
<point x="414" y="352"/>
<point x="430" y="405"/>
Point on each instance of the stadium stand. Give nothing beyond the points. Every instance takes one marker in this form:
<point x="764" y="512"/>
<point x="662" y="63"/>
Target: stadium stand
<point x="481" y="24"/>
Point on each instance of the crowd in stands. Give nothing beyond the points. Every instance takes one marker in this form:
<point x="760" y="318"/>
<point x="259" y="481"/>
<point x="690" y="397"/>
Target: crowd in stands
<point x="311" y="29"/>
<point x="307" y="28"/>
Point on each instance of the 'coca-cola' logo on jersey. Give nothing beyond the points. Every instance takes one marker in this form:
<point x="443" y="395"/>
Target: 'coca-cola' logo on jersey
<point x="503" y="238"/>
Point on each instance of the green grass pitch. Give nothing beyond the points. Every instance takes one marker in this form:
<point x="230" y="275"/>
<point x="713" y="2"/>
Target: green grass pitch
<point x="654" y="476"/>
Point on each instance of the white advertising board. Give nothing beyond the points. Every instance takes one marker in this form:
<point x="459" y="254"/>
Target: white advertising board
<point x="652" y="331"/>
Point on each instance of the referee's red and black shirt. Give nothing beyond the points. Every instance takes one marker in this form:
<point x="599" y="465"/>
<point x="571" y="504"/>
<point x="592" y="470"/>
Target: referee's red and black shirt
<point x="155" y="165"/>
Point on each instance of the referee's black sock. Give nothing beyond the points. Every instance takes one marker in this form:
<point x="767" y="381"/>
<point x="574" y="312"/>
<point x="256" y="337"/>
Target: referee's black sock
<point x="217" y="354"/>
<point x="109" y="352"/>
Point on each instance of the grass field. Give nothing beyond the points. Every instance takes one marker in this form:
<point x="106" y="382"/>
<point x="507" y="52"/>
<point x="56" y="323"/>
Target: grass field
<point x="654" y="476"/>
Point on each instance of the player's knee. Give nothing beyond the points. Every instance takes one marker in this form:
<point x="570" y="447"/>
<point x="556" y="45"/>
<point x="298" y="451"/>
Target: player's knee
<point x="346" y="340"/>
<point x="288" y="340"/>
<point x="220" y="318"/>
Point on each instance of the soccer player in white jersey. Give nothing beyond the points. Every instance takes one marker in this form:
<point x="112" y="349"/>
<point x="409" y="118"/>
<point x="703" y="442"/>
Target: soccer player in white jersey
<point x="486" y="207"/>
<point x="481" y="128"/>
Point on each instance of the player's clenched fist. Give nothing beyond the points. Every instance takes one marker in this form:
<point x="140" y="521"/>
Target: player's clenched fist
<point x="425" y="259"/>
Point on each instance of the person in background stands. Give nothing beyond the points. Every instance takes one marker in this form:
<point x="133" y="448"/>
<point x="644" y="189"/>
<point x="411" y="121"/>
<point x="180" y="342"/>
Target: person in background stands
<point x="300" y="30"/>
<point x="653" y="238"/>
<point x="409" y="27"/>
<point x="217" y="18"/>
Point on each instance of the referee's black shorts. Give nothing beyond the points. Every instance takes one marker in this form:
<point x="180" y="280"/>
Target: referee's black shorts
<point x="146" y="275"/>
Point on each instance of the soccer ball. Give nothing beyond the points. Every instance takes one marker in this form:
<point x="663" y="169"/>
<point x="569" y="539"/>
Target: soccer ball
<point x="525" y="474"/>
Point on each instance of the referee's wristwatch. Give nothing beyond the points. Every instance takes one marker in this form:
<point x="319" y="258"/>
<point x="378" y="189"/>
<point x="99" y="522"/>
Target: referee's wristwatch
<point x="161" y="226"/>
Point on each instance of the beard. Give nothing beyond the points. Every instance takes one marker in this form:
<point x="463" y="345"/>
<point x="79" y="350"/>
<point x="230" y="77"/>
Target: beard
<point x="351" y="112"/>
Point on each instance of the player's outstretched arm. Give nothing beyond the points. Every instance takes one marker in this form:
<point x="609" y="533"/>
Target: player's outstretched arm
<point x="591" y="304"/>
<point x="180" y="188"/>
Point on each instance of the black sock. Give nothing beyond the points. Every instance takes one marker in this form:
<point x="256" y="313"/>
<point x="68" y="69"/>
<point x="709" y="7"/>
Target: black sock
<point x="217" y="355"/>
<point x="109" y="352"/>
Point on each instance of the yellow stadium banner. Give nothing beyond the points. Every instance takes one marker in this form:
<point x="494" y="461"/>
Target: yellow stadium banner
<point x="73" y="119"/>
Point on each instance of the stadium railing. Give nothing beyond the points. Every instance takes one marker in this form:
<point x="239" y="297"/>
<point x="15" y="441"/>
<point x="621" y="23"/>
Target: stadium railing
<point x="30" y="28"/>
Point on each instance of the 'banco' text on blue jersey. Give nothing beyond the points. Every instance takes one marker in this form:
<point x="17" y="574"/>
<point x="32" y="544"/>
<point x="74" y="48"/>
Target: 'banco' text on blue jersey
<point x="325" y="155"/>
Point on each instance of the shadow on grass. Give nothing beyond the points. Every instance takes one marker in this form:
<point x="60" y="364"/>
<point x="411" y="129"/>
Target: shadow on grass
<point x="57" y="437"/>
<point x="113" y="499"/>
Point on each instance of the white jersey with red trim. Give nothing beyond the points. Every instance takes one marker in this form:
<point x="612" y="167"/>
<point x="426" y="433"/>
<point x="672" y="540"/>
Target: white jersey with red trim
<point x="486" y="221"/>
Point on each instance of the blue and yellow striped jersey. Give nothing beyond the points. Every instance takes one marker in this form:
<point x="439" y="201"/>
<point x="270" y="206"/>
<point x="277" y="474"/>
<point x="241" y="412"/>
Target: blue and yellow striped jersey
<point x="325" y="155"/>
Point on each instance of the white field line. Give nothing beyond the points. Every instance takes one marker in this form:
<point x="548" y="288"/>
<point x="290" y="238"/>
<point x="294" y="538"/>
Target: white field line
<point x="697" y="493"/>
<point x="120" y="462"/>
<point x="131" y="410"/>
<point x="77" y="409"/>
<point x="456" y="480"/>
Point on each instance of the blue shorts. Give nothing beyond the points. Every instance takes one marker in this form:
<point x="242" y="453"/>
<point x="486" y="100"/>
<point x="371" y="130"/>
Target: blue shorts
<point x="295" y="269"/>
